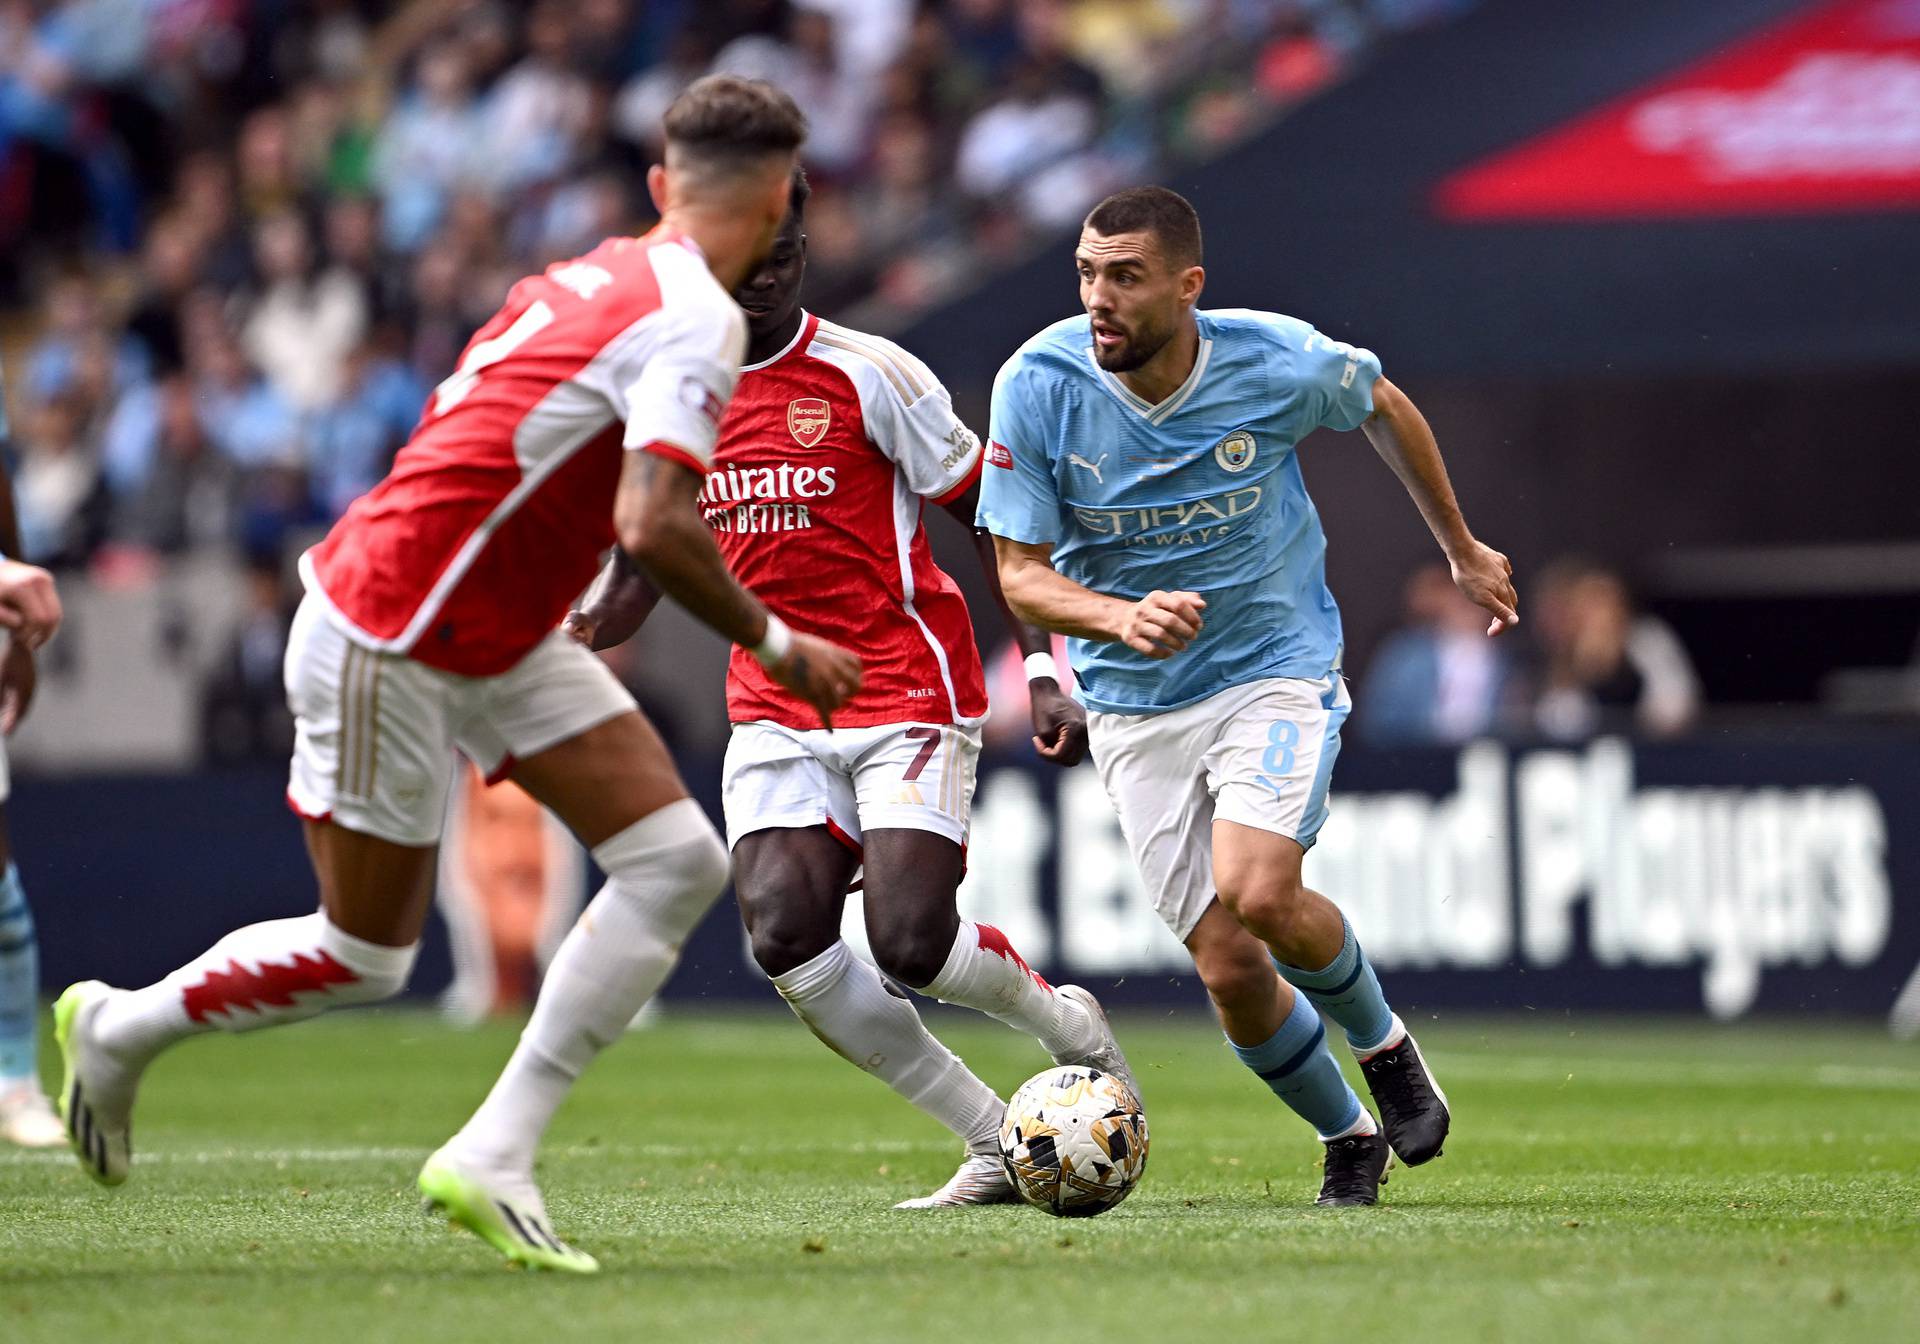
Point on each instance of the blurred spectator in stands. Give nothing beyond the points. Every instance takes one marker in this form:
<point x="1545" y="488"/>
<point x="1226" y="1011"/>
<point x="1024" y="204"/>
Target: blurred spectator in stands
<point x="901" y="197"/>
<point x="438" y="323"/>
<point x="351" y="231"/>
<point x="1297" y="63"/>
<point x="805" y="62"/>
<point x="172" y="488"/>
<point x="1035" y="125"/>
<point x="535" y="114"/>
<point x="1604" y="666"/>
<point x="169" y="268"/>
<point x="268" y="180"/>
<point x="58" y="488"/>
<point x="204" y="199"/>
<point x="250" y="421"/>
<point x="984" y="39"/>
<point x="644" y="99"/>
<point x="347" y="164"/>
<point x="428" y="145"/>
<point x="243" y="708"/>
<point x="1437" y="679"/>
<point x="351" y="442"/>
<point x="1127" y="41"/>
<point x="306" y="319"/>
<point x="76" y="322"/>
<point x="331" y="39"/>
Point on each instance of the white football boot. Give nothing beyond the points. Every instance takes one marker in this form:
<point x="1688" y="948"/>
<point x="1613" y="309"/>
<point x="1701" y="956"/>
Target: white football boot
<point x="27" y="1118"/>
<point x="980" y="1180"/>
<point x="1105" y="1053"/>
<point x="96" y="1096"/>
<point x="505" y="1212"/>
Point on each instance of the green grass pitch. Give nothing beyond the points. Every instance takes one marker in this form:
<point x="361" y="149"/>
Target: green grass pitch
<point x="1605" y="1181"/>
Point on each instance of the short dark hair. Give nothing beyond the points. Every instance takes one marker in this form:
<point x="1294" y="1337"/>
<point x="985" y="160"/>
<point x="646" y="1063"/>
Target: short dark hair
<point x="1167" y="215"/>
<point x="726" y="121"/>
<point x="802" y="192"/>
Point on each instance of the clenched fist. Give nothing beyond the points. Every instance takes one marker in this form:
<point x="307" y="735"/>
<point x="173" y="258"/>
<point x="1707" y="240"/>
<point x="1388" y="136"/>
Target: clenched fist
<point x="1162" y="624"/>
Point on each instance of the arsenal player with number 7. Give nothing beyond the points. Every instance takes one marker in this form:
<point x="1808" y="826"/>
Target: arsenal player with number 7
<point x="834" y="445"/>
<point x="581" y="416"/>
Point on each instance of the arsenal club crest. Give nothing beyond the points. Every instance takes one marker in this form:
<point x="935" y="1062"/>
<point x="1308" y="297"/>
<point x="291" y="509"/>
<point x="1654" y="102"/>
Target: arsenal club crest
<point x="807" y="420"/>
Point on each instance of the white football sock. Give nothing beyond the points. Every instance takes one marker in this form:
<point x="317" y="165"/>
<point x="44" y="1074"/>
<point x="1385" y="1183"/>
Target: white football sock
<point x="1396" y="1033"/>
<point x="260" y="976"/>
<point x="848" y="1005"/>
<point x="664" y="873"/>
<point x="985" y="973"/>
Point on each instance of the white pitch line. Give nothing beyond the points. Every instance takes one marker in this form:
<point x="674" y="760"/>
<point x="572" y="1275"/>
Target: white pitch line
<point x="1495" y="1067"/>
<point x="289" y="1156"/>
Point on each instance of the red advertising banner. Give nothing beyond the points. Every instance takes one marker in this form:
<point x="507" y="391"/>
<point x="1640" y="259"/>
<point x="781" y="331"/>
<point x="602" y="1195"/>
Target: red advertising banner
<point x="1821" y="113"/>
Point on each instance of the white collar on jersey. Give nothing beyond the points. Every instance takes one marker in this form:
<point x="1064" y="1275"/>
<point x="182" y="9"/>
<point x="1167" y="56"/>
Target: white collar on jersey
<point x="1156" y="415"/>
<point x="806" y="320"/>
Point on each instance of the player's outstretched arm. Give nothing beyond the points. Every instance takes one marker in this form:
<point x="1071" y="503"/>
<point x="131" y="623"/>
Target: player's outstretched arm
<point x="657" y="522"/>
<point x="1159" y="625"/>
<point x="1059" y="723"/>
<point x="1401" y="435"/>
<point x="617" y="604"/>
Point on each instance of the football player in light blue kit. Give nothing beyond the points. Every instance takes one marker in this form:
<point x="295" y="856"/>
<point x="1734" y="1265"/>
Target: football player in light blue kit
<point x="1145" y="499"/>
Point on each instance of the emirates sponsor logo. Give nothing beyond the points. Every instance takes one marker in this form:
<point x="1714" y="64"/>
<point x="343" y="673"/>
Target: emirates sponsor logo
<point x="808" y="419"/>
<point x="764" y="499"/>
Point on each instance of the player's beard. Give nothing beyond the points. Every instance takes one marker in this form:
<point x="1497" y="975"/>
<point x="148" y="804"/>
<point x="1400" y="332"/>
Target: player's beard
<point x="1140" y="345"/>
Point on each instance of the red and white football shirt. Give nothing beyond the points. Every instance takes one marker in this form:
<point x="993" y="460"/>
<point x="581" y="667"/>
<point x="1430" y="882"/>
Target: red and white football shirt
<point x="824" y="464"/>
<point x="499" y="508"/>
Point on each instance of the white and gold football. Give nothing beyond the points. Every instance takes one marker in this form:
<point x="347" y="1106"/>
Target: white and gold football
<point x="1074" y="1141"/>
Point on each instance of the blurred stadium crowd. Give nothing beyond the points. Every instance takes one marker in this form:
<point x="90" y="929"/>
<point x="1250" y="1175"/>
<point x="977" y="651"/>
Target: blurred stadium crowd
<point x="242" y="242"/>
<point x="251" y="237"/>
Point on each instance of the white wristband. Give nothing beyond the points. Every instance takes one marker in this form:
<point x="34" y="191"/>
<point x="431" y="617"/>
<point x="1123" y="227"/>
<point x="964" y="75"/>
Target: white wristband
<point x="774" y="644"/>
<point x="1041" y="665"/>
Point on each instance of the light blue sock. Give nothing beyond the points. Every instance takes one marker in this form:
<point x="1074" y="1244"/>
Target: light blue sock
<point x="1297" y="1065"/>
<point x="1349" y="992"/>
<point x="19" y="982"/>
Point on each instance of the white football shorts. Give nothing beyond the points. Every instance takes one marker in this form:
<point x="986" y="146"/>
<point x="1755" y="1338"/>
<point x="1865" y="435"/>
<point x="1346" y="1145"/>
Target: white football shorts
<point x="1259" y="754"/>
<point x="915" y="776"/>
<point x="375" y="733"/>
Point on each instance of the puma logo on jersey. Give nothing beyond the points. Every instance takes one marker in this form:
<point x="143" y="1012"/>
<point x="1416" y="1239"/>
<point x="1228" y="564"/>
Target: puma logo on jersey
<point x="1093" y="467"/>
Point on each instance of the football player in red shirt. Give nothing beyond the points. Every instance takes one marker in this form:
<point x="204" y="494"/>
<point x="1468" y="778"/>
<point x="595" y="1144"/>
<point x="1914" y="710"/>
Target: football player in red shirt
<point x="582" y="415"/>
<point x="834" y="442"/>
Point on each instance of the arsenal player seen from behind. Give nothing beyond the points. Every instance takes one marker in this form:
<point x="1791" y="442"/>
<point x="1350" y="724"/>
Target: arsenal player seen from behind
<point x="582" y="415"/>
<point x="833" y="445"/>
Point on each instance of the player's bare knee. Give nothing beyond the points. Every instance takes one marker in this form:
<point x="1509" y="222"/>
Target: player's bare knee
<point x="1270" y="906"/>
<point x="913" y="955"/>
<point x="783" y="935"/>
<point x="1238" y="974"/>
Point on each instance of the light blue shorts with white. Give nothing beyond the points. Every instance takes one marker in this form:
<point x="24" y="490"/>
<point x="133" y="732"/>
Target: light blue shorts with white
<point x="1259" y="754"/>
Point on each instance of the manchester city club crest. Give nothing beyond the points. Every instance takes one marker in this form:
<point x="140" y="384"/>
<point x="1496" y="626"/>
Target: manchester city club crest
<point x="807" y="420"/>
<point x="1235" y="452"/>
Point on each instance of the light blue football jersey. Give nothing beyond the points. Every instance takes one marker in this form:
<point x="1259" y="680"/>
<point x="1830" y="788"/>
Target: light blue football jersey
<point x="1202" y="492"/>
